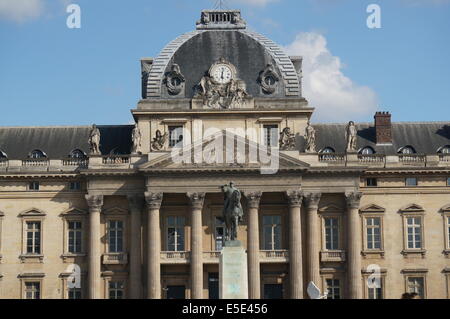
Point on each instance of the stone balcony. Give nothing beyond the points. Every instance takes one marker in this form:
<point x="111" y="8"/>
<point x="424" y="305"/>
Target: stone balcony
<point x="212" y="257"/>
<point x="115" y="259"/>
<point x="332" y="256"/>
<point x="274" y="256"/>
<point x="175" y="257"/>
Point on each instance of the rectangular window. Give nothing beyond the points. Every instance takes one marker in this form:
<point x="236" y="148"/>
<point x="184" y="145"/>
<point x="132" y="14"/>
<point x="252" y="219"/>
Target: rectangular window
<point x="376" y="293"/>
<point x="414" y="232"/>
<point x="448" y="181"/>
<point x="175" y="135"/>
<point x="75" y="237"/>
<point x="272" y="232"/>
<point x="175" y="233"/>
<point x="271" y="135"/>
<point x="74" y="293"/>
<point x="411" y="182"/>
<point x="219" y="233"/>
<point x="33" y="237"/>
<point x="32" y="290"/>
<point x="116" y="290"/>
<point x="75" y="186"/>
<point x="416" y="285"/>
<point x="373" y="225"/>
<point x="334" y="289"/>
<point x="33" y="186"/>
<point x="332" y="233"/>
<point x="371" y="182"/>
<point x="115" y="236"/>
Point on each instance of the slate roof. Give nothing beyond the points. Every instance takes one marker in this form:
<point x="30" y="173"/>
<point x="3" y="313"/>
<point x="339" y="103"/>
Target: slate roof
<point x="58" y="142"/>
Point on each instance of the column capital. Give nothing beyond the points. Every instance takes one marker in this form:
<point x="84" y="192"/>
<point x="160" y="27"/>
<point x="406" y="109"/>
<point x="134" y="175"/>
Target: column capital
<point x="153" y="200"/>
<point x="196" y="200"/>
<point x="353" y="199"/>
<point x="94" y="201"/>
<point x="253" y="198"/>
<point x="135" y="202"/>
<point x="312" y="200"/>
<point x="295" y="197"/>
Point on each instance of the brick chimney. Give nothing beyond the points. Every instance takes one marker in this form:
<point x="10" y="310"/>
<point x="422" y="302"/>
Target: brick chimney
<point x="383" y="128"/>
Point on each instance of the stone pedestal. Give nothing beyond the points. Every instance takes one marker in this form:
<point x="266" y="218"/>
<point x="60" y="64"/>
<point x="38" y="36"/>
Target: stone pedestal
<point x="233" y="275"/>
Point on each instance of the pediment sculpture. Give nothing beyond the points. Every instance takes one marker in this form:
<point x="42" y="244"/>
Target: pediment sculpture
<point x="220" y="88"/>
<point x="174" y="80"/>
<point x="159" y="141"/>
<point x="268" y="79"/>
<point x="287" y="140"/>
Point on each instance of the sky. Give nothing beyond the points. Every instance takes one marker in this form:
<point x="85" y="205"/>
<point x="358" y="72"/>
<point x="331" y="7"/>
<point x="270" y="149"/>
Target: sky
<point x="52" y="75"/>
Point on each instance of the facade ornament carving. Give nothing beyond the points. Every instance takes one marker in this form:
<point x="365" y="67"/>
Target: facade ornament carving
<point x="95" y="202"/>
<point x="253" y="199"/>
<point x="287" y="140"/>
<point x="310" y="139"/>
<point x="353" y="199"/>
<point x="350" y="135"/>
<point x="232" y="212"/>
<point x="196" y="199"/>
<point x="94" y="141"/>
<point x="237" y="18"/>
<point x="312" y="199"/>
<point x="153" y="200"/>
<point x="220" y="88"/>
<point x="159" y="141"/>
<point x="268" y="79"/>
<point x="136" y="137"/>
<point x="295" y="197"/>
<point x="175" y="80"/>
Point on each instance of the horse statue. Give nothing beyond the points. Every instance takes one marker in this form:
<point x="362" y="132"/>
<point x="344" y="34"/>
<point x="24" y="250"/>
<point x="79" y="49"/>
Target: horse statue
<point x="232" y="211"/>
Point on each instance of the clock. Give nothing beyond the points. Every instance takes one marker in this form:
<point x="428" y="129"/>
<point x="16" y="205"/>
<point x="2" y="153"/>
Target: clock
<point x="222" y="73"/>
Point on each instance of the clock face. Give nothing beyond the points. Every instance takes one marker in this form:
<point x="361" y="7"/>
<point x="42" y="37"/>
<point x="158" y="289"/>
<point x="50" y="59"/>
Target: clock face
<point x="222" y="74"/>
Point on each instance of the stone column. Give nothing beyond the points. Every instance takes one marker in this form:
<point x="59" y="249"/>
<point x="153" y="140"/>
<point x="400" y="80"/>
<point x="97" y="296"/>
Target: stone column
<point x="136" y="203"/>
<point x="196" y="202"/>
<point x="295" y="198"/>
<point x="254" y="286"/>
<point x="95" y="203"/>
<point x="313" y="238"/>
<point x="354" y="245"/>
<point x="154" y="245"/>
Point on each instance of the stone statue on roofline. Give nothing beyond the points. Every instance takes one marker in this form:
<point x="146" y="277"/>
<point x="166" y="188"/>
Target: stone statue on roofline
<point x="350" y="136"/>
<point x="310" y="139"/>
<point x="94" y="141"/>
<point x="136" y="137"/>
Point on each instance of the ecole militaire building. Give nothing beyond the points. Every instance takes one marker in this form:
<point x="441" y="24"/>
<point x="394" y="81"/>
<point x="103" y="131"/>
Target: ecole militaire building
<point x="141" y="223"/>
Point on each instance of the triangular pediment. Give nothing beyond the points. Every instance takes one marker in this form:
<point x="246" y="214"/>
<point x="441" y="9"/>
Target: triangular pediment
<point x="372" y="209"/>
<point x="115" y="210"/>
<point x="224" y="151"/>
<point x="74" y="211"/>
<point x="445" y="209"/>
<point x="33" y="212"/>
<point x="412" y="208"/>
<point x="330" y="208"/>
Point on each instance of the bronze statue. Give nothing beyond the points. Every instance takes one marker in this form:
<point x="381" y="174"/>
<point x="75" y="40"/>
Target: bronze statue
<point x="94" y="140"/>
<point x="232" y="211"/>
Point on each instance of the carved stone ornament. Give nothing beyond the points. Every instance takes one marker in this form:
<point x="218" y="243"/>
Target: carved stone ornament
<point x="353" y="199"/>
<point x="175" y="80"/>
<point x="136" y="137"/>
<point x="268" y="79"/>
<point x="295" y="197"/>
<point x="310" y="138"/>
<point x="350" y="136"/>
<point x="287" y="140"/>
<point x="220" y="89"/>
<point x="196" y="199"/>
<point x="95" y="202"/>
<point x="312" y="200"/>
<point x="159" y="141"/>
<point x="153" y="200"/>
<point x="94" y="141"/>
<point x="253" y="198"/>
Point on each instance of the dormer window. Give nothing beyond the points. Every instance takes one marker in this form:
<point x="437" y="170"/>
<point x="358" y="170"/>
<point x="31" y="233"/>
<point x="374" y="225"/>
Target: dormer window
<point x="37" y="154"/>
<point x="367" y="151"/>
<point x="77" y="154"/>
<point x="444" y="150"/>
<point x="407" y="150"/>
<point x="328" y="150"/>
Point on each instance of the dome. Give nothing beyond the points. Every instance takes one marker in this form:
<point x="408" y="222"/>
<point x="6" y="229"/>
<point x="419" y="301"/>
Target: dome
<point x="222" y="37"/>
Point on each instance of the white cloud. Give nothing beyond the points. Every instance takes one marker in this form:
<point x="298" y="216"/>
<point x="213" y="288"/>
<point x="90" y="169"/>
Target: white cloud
<point x="426" y="2"/>
<point x="257" y="3"/>
<point x="335" y="96"/>
<point x="21" y="10"/>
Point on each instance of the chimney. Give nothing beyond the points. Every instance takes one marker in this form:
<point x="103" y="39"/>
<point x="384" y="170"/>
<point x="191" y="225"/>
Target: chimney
<point x="383" y="128"/>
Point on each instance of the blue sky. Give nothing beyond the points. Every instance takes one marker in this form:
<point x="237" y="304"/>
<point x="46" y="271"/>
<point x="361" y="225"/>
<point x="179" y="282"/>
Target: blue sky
<point x="52" y="75"/>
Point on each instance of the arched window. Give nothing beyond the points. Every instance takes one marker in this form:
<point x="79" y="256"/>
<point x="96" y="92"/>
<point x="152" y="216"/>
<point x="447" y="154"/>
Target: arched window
<point x="407" y="150"/>
<point x="328" y="150"/>
<point x="444" y="150"/>
<point x="77" y="154"/>
<point x="37" y="154"/>
<point x="367" y="151"/>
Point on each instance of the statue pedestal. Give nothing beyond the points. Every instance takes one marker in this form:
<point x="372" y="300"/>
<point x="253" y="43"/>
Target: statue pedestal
<point x="233" y="275"/>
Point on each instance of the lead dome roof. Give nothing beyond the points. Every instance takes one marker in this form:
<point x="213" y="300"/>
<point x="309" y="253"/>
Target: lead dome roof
<point x="223" y="34"/>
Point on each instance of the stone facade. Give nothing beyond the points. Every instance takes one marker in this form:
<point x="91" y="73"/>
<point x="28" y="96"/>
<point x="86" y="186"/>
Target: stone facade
<point x="145" y="222"/>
